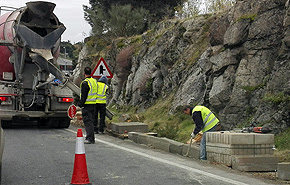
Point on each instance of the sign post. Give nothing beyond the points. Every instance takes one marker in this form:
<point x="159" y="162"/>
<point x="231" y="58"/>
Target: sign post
<point x="72" y="111"/>
<point x="102" y="69"/>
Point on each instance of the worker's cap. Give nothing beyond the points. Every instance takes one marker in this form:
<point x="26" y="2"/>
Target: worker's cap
<point x="103" y="79"/>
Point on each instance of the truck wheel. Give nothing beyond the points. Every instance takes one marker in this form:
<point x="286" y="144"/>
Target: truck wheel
<point x="5" y="124"/>
<point x="58" y="122"/>
<point x="64" y="123"/>
<point x="51" y="123"/>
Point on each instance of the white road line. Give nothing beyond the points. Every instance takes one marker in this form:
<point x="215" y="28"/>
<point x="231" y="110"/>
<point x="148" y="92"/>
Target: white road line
<point x="169" y="162"/>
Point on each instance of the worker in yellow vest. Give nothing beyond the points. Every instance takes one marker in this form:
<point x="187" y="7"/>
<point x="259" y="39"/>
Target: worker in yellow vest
<point x="88" y="102"/>
<point x="101" y="102"/>
<point x="205" y="121"/>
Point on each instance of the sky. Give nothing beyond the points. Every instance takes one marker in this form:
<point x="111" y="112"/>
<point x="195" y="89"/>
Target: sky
<point x="69" y="12"/>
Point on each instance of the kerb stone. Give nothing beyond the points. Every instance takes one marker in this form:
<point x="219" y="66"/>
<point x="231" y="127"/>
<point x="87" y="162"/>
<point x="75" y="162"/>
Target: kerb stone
<point x="284" y="171"/>
<point x="194" y="151"/>
<point x="175" y="147"/>
<point x="133" y="136"/>
<point x="159" y="143"/>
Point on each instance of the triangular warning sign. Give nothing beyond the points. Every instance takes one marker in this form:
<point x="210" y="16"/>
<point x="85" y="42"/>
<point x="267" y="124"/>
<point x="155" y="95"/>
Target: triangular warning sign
<point x="101" y="69"/>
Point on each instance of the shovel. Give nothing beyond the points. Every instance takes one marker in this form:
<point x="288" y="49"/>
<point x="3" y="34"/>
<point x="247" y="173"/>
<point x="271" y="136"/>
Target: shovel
<point x="197" y="138"/>
<point x="189" y="147"/>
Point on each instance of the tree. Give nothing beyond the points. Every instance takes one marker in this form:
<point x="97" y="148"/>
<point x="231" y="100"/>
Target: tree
<point x="119" y="21"/>
<point x="103" y="12"/>
<point x="189" y="8"/>
<point x="218" y="5"/>
<point x="195" y="7"/>
<point x="124" y="21"/>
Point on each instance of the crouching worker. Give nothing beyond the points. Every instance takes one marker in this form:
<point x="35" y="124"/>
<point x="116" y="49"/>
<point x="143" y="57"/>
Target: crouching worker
<point x="205" y="121"/>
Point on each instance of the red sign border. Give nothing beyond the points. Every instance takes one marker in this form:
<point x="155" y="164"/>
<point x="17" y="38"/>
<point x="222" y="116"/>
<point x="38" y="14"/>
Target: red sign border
<point x="102" y="59"/>
<point x="68" y="111"/>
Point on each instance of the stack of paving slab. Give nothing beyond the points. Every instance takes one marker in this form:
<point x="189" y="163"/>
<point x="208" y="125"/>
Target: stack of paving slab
<point x="242" y="151"/>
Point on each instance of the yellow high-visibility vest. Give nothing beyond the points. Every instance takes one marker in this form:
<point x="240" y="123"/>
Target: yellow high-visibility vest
<point x="92" y="94"/>
<point x="208" y="117"/>
<point x="101" y="93"/>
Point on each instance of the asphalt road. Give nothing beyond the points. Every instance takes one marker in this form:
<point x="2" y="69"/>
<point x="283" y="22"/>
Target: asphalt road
<point x="46" y="157"/>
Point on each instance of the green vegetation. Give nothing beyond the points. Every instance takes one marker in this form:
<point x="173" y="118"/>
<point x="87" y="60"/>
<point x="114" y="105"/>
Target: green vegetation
<point x="276" y="98"/>
<point x="282" y="140"/>
<point x="252" y="88"/>
<point x="196" y="7"/>
<point x="202" y="44"/>
<point x="118" y="18"/>
<point x="177" y="126"/>
<point x="283" y="146"/>
<point x="250" y="17"/>
<point x="120" y="42"/>
<point x="256" y="87"/>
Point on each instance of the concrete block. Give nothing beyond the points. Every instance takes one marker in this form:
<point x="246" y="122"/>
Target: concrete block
<point x="133" y="136"/>
<point x="264" y="139"/>
<point x="218" y="137"/>
<point x="226" y="137"/>
<point x="241" y="138"/>
<point x="160" y="143"/>
<point x="255" y="163"/>
<point x="219" y="158"/>
<point x="219" y="148"/>
<point x="194" y="151"/>
<point x="175" y="147"/>
<point x="284" y="171"/>
<point x="120" y="128"/>
<point x="142" y="139"/>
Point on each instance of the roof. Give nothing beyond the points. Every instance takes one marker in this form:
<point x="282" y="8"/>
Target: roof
<point x="63" y="61"/>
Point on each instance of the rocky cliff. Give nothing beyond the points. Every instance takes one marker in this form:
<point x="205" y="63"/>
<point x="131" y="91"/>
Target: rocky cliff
<point x="235" y="62"/>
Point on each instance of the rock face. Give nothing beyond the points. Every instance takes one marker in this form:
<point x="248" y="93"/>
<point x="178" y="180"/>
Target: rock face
<point x="237" y="64"/>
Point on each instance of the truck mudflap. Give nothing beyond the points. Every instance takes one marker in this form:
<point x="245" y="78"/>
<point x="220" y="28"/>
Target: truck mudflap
<point x="51" y="119"/>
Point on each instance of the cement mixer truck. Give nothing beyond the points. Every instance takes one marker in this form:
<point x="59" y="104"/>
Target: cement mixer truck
<point x="29" y="48"/>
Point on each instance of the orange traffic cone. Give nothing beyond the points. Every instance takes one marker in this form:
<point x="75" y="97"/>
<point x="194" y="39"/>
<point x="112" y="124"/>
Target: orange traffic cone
<point x="80" y="173"/>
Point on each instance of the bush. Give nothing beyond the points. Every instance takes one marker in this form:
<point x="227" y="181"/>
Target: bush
<point x="282" y="141"/>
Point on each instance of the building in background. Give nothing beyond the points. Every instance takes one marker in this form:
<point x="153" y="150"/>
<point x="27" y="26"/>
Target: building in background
<point x="65" y="65"/>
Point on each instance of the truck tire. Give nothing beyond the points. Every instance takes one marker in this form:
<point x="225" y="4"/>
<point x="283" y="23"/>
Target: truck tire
<point x="5" y="124"/>
<point x="64" y="123"/>
<point x="57" y="122"/>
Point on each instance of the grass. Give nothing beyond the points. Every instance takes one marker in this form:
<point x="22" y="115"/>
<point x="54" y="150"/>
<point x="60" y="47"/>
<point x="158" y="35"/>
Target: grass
<point x="276" y="98"/>
<point x="250" y="17"/>
<point x="177" y="126"/>
<point x="282" y="143"/>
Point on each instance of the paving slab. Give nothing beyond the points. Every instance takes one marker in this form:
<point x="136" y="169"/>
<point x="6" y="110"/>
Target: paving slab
<point x="261" y="163"/>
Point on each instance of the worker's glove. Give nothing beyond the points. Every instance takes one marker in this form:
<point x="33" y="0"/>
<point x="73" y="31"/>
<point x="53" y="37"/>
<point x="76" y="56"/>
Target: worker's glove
<point x="192" y="135"/>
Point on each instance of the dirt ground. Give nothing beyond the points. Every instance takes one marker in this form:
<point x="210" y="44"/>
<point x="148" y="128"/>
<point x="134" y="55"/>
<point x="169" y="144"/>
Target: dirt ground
<point x="269" y="176"/>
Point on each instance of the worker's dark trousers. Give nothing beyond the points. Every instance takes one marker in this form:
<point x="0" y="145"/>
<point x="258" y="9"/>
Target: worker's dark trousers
<point x="100" y="108"/>
<point x="88" y="113"/>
